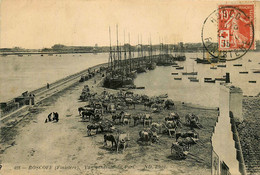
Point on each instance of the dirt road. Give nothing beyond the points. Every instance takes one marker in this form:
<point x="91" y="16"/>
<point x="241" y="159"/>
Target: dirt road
<point x="65" y="148"/>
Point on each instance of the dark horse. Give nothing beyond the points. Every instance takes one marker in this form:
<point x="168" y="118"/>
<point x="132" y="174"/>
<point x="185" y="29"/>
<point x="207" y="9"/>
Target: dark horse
<point x="137" y="119"/>
<point x="118" y="116"/>
<point x="110" y="138"/>
<point x="148" y="104"/>
<point x="95" y="126"/>
<point x="87" y="114"/>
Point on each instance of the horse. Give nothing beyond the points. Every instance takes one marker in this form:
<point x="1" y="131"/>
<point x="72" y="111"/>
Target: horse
<point x="122" y="139"/>
<point x="148" y="104"/>
<point x="85" y="108"/>
<point x="157" y="127"/>
<point x="147" y="136"/>
<point x="95" y="126"/>
<point x="192" y="134"/>
<point x="168" y="104"/>
<point x="144" y="136"/>
<point x="126" y="118"/>
<point x="110" y="138"/>
<point x="118" y="116"/>
<point x="171" y="127"/>
<point x="136" y="119"/>
<point x="174" y="117"/>
<point x="87" y="114"/>
<point x="80" y="109"/>
<point x="147" y="119"/>
<point x="192" y="120"/>
<point x="130" y="102"/>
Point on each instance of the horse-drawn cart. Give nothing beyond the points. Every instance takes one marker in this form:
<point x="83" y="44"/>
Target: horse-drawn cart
<point x="192" y="121"/>
<point x="180" y="151"/>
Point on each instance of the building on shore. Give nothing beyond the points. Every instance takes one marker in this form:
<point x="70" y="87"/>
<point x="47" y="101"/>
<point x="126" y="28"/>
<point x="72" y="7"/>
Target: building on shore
<point x="227" y="148"/>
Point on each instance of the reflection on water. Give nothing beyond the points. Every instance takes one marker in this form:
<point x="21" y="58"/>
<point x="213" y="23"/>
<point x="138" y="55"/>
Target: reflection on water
<point x="19" y="74"/>
<point x="160" y="80"/>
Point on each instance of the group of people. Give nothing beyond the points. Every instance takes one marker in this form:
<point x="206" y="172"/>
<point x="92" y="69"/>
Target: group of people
<point x="53" y="116"/>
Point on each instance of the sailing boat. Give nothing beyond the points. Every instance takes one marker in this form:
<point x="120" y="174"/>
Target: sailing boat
<point x="221" y="65"/>
<point x="181" y="56"/>
<point x="193" y="79"/>
<point x="203" y="60"/>
<point x="207" y="60"/>
<point x="190" y="73"/>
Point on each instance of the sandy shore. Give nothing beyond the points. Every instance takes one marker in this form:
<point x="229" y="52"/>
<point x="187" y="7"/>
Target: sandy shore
<point x="35" y="147"/>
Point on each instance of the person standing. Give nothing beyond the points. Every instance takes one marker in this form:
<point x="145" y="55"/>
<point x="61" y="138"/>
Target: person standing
<point x="57" y="116"/>
<point x="49" y="117"/>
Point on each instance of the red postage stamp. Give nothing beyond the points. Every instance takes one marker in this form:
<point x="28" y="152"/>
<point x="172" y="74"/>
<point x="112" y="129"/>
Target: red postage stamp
<point x="236" y="27"/>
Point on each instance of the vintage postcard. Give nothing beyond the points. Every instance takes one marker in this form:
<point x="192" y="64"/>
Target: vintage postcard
<point x="129" y="87"/>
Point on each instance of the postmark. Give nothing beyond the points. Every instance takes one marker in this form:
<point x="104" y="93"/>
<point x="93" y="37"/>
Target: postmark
<point x="228" y="32"/>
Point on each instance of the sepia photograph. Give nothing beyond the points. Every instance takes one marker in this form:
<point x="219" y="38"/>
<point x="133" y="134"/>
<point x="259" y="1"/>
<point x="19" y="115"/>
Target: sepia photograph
<point x="129" y="87"/>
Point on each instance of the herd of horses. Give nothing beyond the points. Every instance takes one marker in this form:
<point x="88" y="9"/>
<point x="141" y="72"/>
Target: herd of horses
<point x="98" y="106"/>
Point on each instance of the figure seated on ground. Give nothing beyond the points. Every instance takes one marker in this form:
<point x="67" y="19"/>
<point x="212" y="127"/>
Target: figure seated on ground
<point x="56" y="116"/>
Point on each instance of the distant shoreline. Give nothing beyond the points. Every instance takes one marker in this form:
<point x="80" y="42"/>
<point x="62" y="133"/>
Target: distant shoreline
<point x="62" y="52"/>
<point x="43" y="53"/>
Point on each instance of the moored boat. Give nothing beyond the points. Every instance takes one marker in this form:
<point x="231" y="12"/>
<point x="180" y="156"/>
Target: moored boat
<point x="220" y="79"/>
<point x="203" y="61"/>
<point x="222" y="60"/>
<point x="177" y="78"/>
<point x="180" y="58"/>
<point x="189" y="73"/>
<point x="237" y="64"/>
<point x="194" y="80"/>
<point x="179" y="68"/>
<point x="244" y="72"/>
<point x="151" y="66"/>
<point x="209" y="80"/>
<point x="256" y="71"/>
<point x="213" y="67"/>
<point x="140" y="70"/>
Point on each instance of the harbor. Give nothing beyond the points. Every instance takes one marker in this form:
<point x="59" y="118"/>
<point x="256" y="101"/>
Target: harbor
<point x="53" y="100"/>
<point x="119" y="87"/>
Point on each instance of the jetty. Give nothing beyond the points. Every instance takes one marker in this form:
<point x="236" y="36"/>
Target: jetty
<point x="30" y="98"/>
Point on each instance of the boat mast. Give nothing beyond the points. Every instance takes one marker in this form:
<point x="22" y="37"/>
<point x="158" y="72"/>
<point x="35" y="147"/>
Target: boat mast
<point x="151" y="49"/>
<point x="142" y="54"/>
<point x="139" y="52"/>
<point x="130" y="61"/>
<point x="117" y="48"/>
<point x="125" y="63"/>
<point x="110" y="59"/>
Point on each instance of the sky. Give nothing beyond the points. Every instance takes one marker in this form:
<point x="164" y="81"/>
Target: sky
<point x="36" y="24"/>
